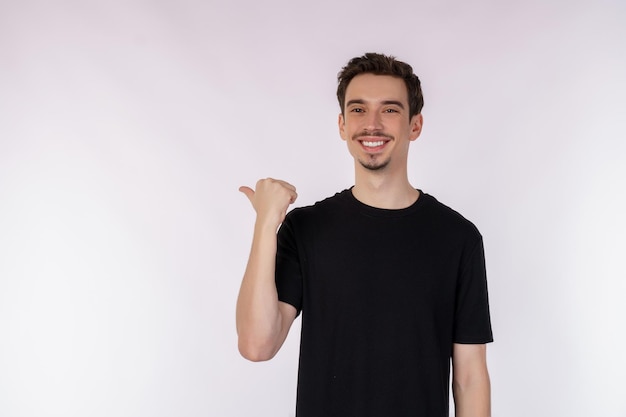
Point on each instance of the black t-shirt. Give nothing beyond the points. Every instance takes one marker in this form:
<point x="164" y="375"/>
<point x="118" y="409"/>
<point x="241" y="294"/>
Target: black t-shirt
<point x="383" y="294"/>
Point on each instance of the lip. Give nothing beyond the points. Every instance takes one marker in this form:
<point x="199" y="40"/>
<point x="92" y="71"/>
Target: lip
<point x="373" y="140"/>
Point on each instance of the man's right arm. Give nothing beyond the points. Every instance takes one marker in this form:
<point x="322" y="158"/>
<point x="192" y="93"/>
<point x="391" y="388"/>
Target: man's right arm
<point x="263" y="321"/>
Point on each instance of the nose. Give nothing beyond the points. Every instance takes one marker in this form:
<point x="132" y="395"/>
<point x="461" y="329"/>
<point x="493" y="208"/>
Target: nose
<point x="373" y="121"/>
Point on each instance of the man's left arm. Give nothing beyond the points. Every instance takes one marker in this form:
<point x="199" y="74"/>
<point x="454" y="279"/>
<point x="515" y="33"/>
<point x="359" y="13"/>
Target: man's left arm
<point x="470" y="381"/>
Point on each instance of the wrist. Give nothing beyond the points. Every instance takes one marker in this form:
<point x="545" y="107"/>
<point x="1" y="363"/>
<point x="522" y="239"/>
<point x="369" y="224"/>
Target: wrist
<point x="266" y="225"/>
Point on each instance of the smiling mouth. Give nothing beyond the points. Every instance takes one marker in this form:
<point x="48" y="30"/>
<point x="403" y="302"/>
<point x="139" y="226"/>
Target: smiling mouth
<point x="368" y="138"/>
<point x="373" y="144"/>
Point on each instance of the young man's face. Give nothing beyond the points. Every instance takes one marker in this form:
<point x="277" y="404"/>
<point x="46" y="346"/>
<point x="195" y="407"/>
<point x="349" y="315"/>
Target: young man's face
<point x="376" y="123"/>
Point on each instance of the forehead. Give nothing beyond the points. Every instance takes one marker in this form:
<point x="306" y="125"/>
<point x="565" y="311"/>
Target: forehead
<point x="371" y="87"/>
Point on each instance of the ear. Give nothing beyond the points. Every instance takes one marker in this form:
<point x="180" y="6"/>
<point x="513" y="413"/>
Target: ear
<point x="342" y="126"/>
<point x="416" y="126"/>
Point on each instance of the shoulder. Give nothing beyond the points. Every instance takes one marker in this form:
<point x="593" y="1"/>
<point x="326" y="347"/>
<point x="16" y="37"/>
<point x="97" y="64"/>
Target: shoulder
<point x="446" y="218"/>
<point x="307" y="221"/>
<point x="320" y="209"/>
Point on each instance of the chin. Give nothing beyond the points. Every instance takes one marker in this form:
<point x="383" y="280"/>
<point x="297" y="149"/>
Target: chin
<point x="374" y="165"/>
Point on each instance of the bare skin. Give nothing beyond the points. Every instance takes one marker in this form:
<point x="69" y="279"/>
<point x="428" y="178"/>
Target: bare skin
<point x="377" y="111"/>
<point x="377" y="128"/>
<point x="471" y="386"/>
<point x="262" y="320"/>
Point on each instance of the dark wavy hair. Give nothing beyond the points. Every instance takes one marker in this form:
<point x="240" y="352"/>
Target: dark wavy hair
<point x="379" y="64"/>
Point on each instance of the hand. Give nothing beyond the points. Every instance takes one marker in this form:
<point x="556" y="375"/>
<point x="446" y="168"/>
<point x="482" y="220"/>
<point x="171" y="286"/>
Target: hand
<point x="270" y="200"/>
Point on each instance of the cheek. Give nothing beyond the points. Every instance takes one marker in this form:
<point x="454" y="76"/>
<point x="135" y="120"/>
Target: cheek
<point x="352" y="148"/>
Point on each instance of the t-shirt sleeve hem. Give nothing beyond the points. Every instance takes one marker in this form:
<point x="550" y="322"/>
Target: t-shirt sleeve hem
<point x="473" y="341"/>
<point x="291" y="302"/>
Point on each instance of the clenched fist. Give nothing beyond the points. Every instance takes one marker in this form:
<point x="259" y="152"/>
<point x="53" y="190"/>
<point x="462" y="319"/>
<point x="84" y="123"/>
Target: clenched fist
<point x="270" y="199"/>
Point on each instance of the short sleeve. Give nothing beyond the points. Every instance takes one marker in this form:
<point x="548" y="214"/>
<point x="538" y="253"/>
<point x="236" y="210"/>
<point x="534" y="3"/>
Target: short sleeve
<point x="288" y="271"/>
<point x="472" y="321"/>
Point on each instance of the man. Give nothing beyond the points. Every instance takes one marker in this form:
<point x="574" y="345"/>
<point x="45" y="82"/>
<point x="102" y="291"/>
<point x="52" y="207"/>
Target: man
<point x="390" y="282"/>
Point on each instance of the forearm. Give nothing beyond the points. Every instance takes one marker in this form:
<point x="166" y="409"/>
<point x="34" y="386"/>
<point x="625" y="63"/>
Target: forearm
<point x="259" y="322"/>
<point x="262" y="321"/>
<point x="472" y="395"/>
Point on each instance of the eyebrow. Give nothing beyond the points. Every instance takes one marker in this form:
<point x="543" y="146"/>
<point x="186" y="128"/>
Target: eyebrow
<point x="384" y="102"/>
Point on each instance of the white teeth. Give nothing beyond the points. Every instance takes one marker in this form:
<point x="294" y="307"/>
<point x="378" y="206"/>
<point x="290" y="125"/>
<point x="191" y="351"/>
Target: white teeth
<point x="374" y="144"/>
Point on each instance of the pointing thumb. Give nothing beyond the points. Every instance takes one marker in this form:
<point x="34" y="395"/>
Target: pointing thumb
<point x="249" y="192"/>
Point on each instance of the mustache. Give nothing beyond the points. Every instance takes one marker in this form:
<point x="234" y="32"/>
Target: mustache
<point x="372" y="133"/>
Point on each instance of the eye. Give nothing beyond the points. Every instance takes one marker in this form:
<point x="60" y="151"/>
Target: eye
<point x="357" y="110"/>
<point x="391" y="111"/>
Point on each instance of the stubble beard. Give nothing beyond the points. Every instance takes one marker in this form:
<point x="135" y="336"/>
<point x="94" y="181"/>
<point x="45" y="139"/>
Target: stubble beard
<point x="373" y="164"/>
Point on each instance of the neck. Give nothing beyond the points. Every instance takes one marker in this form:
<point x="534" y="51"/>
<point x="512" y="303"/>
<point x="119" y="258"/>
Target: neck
<point x="381" y="190"/>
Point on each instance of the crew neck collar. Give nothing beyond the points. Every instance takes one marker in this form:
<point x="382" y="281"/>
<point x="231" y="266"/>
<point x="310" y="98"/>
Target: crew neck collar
<point x="381" y="212"/>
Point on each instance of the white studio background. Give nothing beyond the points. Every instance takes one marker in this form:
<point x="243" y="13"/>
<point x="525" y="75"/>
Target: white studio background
<point x="126" y="128"/>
